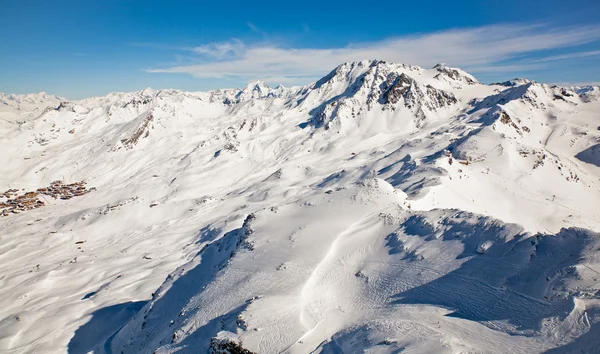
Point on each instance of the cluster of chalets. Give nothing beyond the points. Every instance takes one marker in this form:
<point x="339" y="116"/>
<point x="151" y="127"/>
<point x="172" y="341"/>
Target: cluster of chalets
<point x="16" y="203"/>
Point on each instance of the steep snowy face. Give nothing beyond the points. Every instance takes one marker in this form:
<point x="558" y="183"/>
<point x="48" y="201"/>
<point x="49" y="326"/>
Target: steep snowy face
<point x="357" y="91"/>
<point x="383" y="208"/>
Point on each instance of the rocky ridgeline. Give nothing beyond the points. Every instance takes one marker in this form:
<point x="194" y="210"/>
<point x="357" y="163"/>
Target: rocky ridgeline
<point x="454" y="74"/>
<point x="384" y="84"/>
<point x="143" y="131"/>
<point x="415" y="96"/>
<point x="227" y="346"/>
<point x="16" y="203"/>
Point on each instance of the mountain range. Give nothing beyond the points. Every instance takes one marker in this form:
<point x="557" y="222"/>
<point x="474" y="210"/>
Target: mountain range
<point x="385" y="208"/>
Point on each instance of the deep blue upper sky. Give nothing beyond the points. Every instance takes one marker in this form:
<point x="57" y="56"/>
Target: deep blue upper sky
<point x="82" y="48"/>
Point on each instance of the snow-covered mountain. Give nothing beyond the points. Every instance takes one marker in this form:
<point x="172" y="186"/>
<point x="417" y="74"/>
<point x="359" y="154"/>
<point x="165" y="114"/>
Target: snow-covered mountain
<point x="384" y="208"/>
<point x="15" y="109"/>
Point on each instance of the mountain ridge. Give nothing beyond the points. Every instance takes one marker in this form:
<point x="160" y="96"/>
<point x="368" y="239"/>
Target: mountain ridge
<point x="452" y="73"/>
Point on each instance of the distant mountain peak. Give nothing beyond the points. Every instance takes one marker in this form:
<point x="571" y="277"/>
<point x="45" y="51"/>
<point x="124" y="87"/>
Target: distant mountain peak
<point x="456" y="74"/>
<point x="513" y="82"/>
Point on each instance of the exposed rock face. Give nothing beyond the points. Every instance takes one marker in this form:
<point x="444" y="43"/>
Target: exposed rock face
<point x="454" y="74"/>
<point x="143" y="131"/>
<point x="377" y="83"/>
<point x="415" y="95"/>
<point x="225" y="346"/>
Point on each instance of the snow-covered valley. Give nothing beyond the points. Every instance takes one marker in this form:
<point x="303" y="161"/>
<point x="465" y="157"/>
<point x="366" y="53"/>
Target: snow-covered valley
<point x="384" y="208"/>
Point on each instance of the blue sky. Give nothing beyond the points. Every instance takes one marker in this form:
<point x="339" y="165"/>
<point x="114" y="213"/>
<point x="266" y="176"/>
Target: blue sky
<point x="83" y="48"/>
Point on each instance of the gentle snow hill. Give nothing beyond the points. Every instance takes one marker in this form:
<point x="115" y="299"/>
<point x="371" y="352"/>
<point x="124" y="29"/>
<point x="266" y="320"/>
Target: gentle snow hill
<point x="383" y="208"/>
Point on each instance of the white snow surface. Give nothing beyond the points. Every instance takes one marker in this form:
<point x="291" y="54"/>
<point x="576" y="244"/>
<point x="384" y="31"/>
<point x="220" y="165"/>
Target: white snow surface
<point x="385" y="208"/>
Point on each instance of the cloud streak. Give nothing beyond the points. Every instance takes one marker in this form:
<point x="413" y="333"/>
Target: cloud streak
<point x="570" y="56"/>
<point x="255" y="28"/>
<point x="480" y="50"/>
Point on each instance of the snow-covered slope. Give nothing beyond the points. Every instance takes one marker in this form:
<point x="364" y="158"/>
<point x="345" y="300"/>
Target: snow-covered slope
<point x="384" y="208"/>
<point x="16" y="109"/>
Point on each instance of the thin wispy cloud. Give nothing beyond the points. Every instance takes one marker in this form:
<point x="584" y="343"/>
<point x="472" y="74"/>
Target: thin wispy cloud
<point x="480" y="50"/>
<point x="570" y="56"/>
<point x="255" y="28"/>
<point x="576" y="83"/>
<point x="232" y="49"/>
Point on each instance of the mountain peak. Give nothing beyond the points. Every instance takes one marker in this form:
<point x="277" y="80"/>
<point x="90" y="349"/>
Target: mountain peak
<point x="455" y="74"/>
<point x="148" y="91"/>
<point x="258" y="86"/>
<point x="513" y="82"/>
